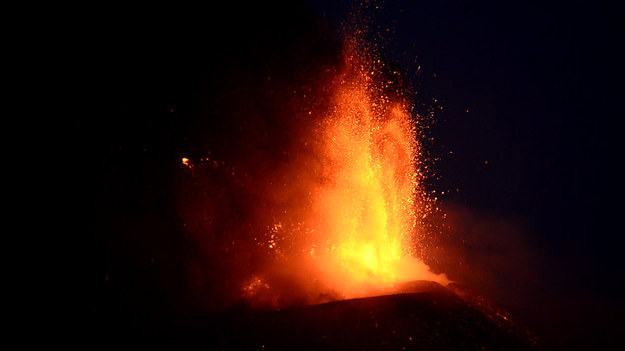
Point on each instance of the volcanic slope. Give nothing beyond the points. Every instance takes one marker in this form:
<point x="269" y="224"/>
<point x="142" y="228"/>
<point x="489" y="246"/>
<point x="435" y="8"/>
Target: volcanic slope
<point x="423" y="316"/>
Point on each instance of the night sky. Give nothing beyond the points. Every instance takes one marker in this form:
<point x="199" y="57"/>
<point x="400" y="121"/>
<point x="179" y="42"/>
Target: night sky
<point x="527" y="142"/>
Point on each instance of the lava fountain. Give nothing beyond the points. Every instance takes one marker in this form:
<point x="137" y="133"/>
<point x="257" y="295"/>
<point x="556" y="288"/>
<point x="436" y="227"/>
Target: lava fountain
<point x="342" y="215"/>
<point x="367" y="212"/>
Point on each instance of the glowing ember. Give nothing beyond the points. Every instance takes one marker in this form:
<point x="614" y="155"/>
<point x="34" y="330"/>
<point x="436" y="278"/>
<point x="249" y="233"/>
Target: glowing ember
<point x="185" y="162"/>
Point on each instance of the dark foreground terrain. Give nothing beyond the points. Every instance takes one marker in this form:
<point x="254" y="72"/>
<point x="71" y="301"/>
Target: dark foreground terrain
<point x="426" y="316"/>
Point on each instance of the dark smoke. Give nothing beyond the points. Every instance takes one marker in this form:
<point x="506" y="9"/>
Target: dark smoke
<point x="232" y="86"/>
<point x="490" y="253"/>
<point x="255" y="133"/>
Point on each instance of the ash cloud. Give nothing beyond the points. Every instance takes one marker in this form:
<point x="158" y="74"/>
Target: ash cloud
<point x="488" y="252"/>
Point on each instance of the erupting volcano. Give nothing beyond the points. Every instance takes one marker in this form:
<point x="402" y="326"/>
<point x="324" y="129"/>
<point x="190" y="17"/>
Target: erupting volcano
<point x="343" y="174"/>
<point x="274" y="190"/>
<point x="367" y="210"/>
<point x="343" y="212"/>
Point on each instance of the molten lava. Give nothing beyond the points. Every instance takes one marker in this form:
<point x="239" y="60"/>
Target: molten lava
<point x="366" y="214"/>
<point x="332" y="208"/>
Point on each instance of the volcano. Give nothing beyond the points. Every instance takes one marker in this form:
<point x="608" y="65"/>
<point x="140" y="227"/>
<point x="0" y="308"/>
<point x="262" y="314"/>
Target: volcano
<point x="423" y="316"/>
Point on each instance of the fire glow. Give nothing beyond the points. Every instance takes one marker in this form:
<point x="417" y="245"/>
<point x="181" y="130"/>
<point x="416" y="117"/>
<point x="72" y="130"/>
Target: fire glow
<point x="341" y="220"/>
<point x="368" y="213"/>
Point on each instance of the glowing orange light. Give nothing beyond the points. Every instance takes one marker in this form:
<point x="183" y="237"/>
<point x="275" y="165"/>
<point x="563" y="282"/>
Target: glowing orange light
<point x="185" y="162"/>
<point x="341" y="213"/>
<point x="366" y="211"/>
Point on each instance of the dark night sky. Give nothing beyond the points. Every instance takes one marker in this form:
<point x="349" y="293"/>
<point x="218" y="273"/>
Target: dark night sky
<point x="542" y="83"/>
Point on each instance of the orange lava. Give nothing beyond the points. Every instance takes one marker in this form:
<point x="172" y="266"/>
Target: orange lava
<point x="366" y="212"/>
<point x="333" y="210"/>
